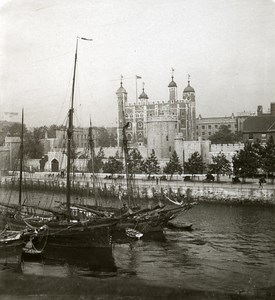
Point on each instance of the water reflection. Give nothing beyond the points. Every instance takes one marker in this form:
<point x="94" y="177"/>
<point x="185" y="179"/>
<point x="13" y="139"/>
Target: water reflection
<point x="56" y="261"/>
<point x="230" y="249"/>
<point x="10" y="257"/>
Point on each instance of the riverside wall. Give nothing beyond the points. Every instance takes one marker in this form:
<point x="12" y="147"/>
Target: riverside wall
<point x="200" y="191"/>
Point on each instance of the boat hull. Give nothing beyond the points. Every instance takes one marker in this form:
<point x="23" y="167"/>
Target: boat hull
<point x="11" y="252"/>
<point x="95" y="233"/>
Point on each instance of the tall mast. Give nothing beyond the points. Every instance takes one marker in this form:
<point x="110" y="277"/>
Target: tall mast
<point x="92" y="148"/>
<point x="69" y="136"/>
<point x="21" y="159"/>
<point x="125" y="151"/>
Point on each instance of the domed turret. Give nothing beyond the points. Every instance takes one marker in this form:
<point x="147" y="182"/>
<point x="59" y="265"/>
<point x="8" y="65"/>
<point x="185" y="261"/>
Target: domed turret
<point x="143" y="95"/>
<point x="189" y="88"/>
<point x="172" y="87"/>
<point x="121" y="89"/>
<point x="172" y="84"/>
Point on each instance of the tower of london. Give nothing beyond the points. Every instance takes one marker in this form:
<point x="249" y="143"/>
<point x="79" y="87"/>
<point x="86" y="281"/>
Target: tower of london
<point x="155" y="124"/>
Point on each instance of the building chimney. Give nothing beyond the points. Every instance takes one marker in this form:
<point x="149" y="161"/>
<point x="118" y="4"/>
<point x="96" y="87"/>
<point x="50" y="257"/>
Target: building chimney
<point x="272" y="108"/>
<point x="259" y="110"/>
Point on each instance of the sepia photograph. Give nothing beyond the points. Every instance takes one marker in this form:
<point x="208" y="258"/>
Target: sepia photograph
<point x="137" y="149"/>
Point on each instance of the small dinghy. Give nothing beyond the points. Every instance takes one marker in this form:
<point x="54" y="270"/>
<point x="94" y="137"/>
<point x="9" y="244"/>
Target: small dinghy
<point x="132" y="233"/>
<point x="179" y="225"/>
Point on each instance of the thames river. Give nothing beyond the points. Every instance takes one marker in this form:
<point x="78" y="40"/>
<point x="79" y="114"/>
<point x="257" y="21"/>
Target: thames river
<point x="231" y="250"/>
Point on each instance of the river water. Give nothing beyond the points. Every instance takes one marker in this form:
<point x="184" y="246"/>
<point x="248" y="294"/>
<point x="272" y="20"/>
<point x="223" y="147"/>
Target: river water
<point x="231" y="249"/>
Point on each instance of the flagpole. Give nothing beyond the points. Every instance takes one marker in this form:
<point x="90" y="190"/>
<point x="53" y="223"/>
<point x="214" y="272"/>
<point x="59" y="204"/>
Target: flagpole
<point x="136" y="90"/>
<point x="137" y="77"/>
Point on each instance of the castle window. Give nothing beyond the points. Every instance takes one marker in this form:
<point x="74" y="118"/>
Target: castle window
<point x="130" y="125"/>
<point x="140" y="135"/>
<point x="203" y="133"/>
<point x="209" y="126"/>
<point x="166" y="137"/>
<point x="170" y="148"/>
<point x="216" y="126"/>
<point x="209" y="133"/>
<point x="203" y="127"/>
<point x="175" y="126"/>
<point x="140" y="124"/>
<point x="129" y="137"/>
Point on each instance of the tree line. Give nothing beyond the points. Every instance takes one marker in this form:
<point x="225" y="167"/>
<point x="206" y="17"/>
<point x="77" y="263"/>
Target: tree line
<point x="255" y="159"/>
<point x="33" y="146"/>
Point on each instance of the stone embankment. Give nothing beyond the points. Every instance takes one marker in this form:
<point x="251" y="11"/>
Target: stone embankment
<point x="201" y="191"/>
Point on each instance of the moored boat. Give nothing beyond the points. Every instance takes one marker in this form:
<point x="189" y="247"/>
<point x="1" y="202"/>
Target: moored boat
<point x="64" y="230"/>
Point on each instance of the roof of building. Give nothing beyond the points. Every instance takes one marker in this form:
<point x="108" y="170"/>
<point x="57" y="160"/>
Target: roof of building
<point x="143" y="95"/>
<point x="189" y="88"/>
<point x="259" y="124"/>
<point x="121" y="89"/>
<point x="172" y="83"/>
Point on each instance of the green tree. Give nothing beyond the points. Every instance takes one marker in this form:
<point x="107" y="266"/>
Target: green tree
<point x="112" y="140"/>
<point x="102" y="137"/>
<point x="173" y="166"/>
<point x="98" y="161"/>
<point x="194" y="165"/>
<point x="151" y="165"/>
<point x="51" y="130"/>
<point x="225" y="136"/>
<point x="220" y="165"/>
<point x="11" y="129"/>
<point x="32" y="144"/>
<point x="113" y="165"/>
<point x="246" y="161"/>
<point x="15" y="129"/>
<point x="268" y="157"/>
<point x="135" y="162"/>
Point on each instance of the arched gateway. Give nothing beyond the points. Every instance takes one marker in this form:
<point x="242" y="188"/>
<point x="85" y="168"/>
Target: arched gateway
<point x="55" y="165"/>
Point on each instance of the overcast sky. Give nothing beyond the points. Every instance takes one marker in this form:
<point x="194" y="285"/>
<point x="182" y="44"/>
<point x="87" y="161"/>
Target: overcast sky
<point x="227" y="46"/>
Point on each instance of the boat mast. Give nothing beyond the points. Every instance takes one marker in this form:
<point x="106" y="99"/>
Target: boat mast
<point x="21" y="159"/>
<point x="69" y="136"/>
<point x="126" y="156"/>
<point x="91" y="144"/>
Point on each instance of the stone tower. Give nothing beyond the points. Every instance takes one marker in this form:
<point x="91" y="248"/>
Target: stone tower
<point x="189" y="98"/>
<point x="172" y="90"/>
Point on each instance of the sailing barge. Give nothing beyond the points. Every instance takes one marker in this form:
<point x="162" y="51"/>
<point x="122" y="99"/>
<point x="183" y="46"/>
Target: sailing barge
<point x="63" y="229"/>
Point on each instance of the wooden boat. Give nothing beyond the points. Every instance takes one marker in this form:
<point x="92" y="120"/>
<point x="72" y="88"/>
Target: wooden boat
<point x="63" y="229"/>
<point x="179" y="225"/>
<point x="145" y="221"/>
<point x="11" y="244"/>
<point x="132" y="233"/>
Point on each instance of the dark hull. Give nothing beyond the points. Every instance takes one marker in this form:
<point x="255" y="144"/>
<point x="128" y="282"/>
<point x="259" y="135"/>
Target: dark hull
<point x="94" y="233"/>
<point x="10" y="253"/>
<point x="149" y="222"/>
<point x="88" y="259"/>
<point x="179" y="226"/>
